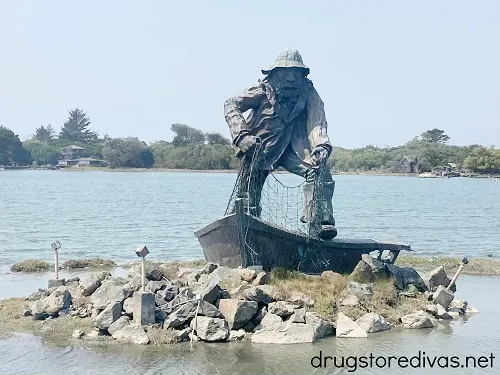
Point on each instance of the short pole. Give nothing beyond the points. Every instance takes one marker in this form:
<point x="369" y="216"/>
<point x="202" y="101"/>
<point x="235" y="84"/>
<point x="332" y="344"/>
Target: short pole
<point x="455" y="277"/>
<point x="143" y="274"/>
<point x="56" y="265"/>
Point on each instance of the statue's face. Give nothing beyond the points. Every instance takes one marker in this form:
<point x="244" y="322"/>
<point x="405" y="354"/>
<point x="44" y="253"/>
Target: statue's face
<point x="287" y="81"/>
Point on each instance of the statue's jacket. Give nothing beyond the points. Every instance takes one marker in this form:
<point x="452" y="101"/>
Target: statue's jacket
<point x="304" y="128"/>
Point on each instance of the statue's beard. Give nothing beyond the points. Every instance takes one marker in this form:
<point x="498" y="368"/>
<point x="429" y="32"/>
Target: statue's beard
<point x="287" y="94"/>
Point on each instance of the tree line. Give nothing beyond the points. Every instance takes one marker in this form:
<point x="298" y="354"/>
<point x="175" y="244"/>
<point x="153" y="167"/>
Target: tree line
<point x="192" y="148"/>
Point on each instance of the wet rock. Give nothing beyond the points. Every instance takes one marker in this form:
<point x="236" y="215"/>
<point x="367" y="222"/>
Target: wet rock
<point x="459" y="304"/>
<point x="351" y="300"/>
<point x="346" y="327"/>
<point x="237" y="312"/>
<point x="77" y="334"/>
<point x="378" y="268"/>
<point x="360" y="289"/>
<point x="301" y="299"/>
<point x="58" y="300"/>
<point x="282" y="308"/>
<point x="236" y="335"/>
<point x="90" y="285"/>
<point x="262" y="278"/>
<point x="333" y="277"/>
<point x="247" y="274"/>
<point x="154" y="286"/>
<point x="442" y="297"/>
<point x="263" y="294"/>
<point x="112" y="290"/>
<point x="132" y="333"/>
<point x="372" y="322"/>
<point x="417" y="320"/>
<point x="210" y="329"/>
<point x="438" y="277"/>
<point x="322" y="328"/>
<point x="118" y="324"/>
<point x="111" y="313"/>
<point x="183" y="335"/>
<point x="268" y="320"/>
<point x="404" y="276"/>
<point x="362" y="273"/>
<point x="441" y="313"/>
<point x="299" y="316"/>
<point x="285" y="333"/>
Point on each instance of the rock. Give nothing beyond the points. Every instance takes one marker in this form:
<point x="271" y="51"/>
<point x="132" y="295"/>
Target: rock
<point x="351" y="300"/>
<point x="236" y="335"/>
<point x="237" y="312"/>
<point x="372" y="322"/>
<point x="183" y="335"/>
<point x="404" y="276"/>
<point x="455" y="312"/>
<point x="160" y="315"/>
<point x="90" y="285"/>
<point x="180" y="315"/>
<point x="118" y="324"/>
<point x="431" y="309"/>
<point x="322" y="328"/>
<point x="154" y="286"/>
<point x="458" y="304"/>
<point x="362" y="273"/>
<point x="442" y="297"/>
<point x="333" y="277"/>
<point x="263" y="294"/>
<point x="77" y="334"/>
<point x="262" y="278"/>
<point x="247" y="274"/>
<point x="77" y="297"/>
<point x="209" y="290"/>
<point x="237" y="293"/>
<point x="59" y="300"/>
<point x="249" y="327"/>
<point x="361" y="289"/>
<point x="346" y="327"/>
<point x="285" y="333"/>
<point x="207" y="309"/>
<point x="132" y="333"/>
<point x="38" y="295"/>
<point x="128" y="306"/>
<point x="184" y="272"/>
<point x="111" y="313"/>
<point x="420" y="319"/>
<point x="262" y="311"/>
<point x="153" y="271"/>
<point x="299" y="316"/>
<point x="209" y="268"/>
<point x="56" y="283"/>
<point x="378" y="268"/>
<point x="268" y="320"/>
<point x="438" y="277"/>
<point x="282" y="309"/>
<point x="110" y="291"/>
<point x="26" y="312"/>
<point x="64" y="312"/>
<point x="442" y="313"/>
<point x="158" y="300"/>
<point x="227" y="276"/>
<point x="301" y="299"/>
<point x="210" y="329"/>
<point x="37" y="311"/>
<point x="410" y="291"/>
<point x="471" y="310"/>
<point x="169" y="293"/>
<point x="428" y="296"/>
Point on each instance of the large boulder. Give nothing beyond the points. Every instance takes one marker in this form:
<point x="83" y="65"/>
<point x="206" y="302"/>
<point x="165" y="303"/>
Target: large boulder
<point x="346" y="327"/>
<point x="209" y="290"/>
<point x="210" y="329"/>
<point x="59" y="299"/>
<point x="268" y="321"/>
<point x="322" y="328"/>
<point x="438" y="277"/>
<point x="282" y="308"/>
<point x="263" y="294"/>
<point x="442" y="297"/>
<point x="247" y="274"/>
<point x="404" y="276"/>
<point x="90" y="285"/>
<point x="112" y="290"/>
<point x="285" y="333"/>
<point x="372" y="322"/>
<point x="417" y="320"/>
<point x="118" y="324"/>
<point x="107" y="316"/>
<point x="237" y="312"/>
<point x="132" y="333"/>
<point x="154" y="285"/>
<point x="378" y="268"/>
<point x="362" y="273"/>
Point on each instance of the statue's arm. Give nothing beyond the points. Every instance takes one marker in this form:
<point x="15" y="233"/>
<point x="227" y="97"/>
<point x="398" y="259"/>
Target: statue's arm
<point x="316" y="122"/>
<point x="235" y="107"/>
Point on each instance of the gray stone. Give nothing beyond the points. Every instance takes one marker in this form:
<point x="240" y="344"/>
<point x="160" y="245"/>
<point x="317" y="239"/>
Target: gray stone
<point x="346" y="327"/>
<point x="428" y="296"/>
<point x="410" y="291"/>
<point x="132" y="333"/>
<point x="56" y="283"/>
<point x="210" y="329"/>
<point x="118" y="324"/>
<point x="322" y="328"/>
<point x="237" y="293"/>
<point x="209" y="268"/>
<point x="144" y="308"/>
<point x="431" y="309"/>
<point x="112" y="290"/>
<point x="128" y="306"/>
<point x="378" y="267"/>
<point x="299" y="316"/>
<point x="454" y="310"/>
<point x="442" y="313"/>
<point x="169" y="293"/>
<point x="58" y="300"/>
<point x="442" y="297"/>
<point x="90" y="285"/>
<point x="247" y="274"/>
<point x="237" y="312"/>
<point x="362" y="273"/>
<point x="438" y="277"/>
<point x="154" y="286"/>
<point x="37" y="311"/>
<point x="236" y="335"/>
<point x="207" y="309"/>
<point x="77" y="334"/>
<point x="153" y="271"/>
<point x="64" y="312"/>
<point x="111" y="313"/>
<point x="417" y="320"/>
<point x="282" y="308"/>
<point x="262" y="278"/>
<point x="160" y="315"/>
<point x="209" y="290"/>
<point x="263" y="294"/>
<point x="268" y="320"/>
<point x="183" y="335"/>
<point x="360" y="289"/>
<point x="158" y="300"/>
<point x="372" y="322"/>
<point x="262" y="311"/>
<point x="333" y="277"/>
<point x="459" y="304"/>
<point x="285" y="333"/>
<point x="351" y="300"/>
<point x="404" y="276"/>
<point x="301" y="299"/>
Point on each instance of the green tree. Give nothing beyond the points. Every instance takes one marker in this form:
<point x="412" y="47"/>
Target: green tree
<point x="435" y="136"/>
<point x="483" y="160"/>
<point x="11" y="148"/>
<point x="217" y="139"/>
<point x="75" y="129"/>
<point x="127" y="153"/>
<point x="44" y="153"/>
<point x="44" y="133"/>
<point x="186" y="135"/>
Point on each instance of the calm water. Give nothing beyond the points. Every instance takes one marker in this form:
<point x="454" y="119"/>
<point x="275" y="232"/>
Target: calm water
<point x="109" y="214"/>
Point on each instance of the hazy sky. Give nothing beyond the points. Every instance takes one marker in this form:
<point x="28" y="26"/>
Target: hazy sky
<point x="386" y="70"/>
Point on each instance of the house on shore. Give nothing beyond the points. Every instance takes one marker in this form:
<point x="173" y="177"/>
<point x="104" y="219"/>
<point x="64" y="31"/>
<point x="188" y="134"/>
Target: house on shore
<point x="409" y="164"/>
<point x="73" y="156"/>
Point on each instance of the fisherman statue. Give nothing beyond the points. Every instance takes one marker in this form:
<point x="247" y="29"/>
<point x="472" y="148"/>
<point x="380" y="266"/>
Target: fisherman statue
<point x="286" y="121"/>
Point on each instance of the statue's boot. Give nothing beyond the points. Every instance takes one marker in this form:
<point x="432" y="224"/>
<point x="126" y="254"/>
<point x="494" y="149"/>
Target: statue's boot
<point x="325" y="219"/>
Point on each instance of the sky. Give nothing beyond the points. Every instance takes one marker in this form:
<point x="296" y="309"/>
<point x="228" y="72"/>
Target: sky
<point x="386" y="70"/>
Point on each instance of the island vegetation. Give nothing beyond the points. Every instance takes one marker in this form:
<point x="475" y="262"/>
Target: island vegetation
<point x="194" y="149"/>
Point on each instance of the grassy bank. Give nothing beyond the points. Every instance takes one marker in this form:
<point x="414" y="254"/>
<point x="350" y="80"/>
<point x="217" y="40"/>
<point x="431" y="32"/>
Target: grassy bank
<point x="476" y="266"/>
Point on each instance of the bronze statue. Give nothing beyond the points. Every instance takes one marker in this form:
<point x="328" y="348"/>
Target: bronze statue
<point x="286" y="115"/>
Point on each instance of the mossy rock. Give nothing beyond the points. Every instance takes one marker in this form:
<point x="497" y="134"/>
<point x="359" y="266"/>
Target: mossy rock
<point x="88" y="263"/>
<point x="30" y="265"/>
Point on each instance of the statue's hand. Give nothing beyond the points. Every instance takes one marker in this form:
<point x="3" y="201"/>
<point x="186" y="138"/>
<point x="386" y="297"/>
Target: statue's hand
<point x="247" y="142"/>
<point x="320" y="154"/>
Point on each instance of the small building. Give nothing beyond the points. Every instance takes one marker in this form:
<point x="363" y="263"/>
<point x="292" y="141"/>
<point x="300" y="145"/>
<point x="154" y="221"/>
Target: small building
<point x="72" y="156"/>
<point x="409" y="164"/>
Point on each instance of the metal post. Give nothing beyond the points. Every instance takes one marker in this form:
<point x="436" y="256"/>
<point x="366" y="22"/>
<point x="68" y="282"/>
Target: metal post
<point x="56" y="265"/>
<point x="455" y="277"/>
<point x="143" y="274"/>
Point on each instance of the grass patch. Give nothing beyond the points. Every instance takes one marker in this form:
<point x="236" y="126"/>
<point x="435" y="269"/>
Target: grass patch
<point x="30" y="265"/>
<point x="88" y="263"/>
<point x="161" y="336"/>
<point x="476" y="266"/>
<point x="12" y="320"/>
